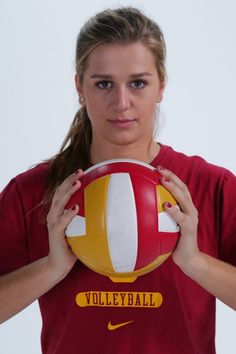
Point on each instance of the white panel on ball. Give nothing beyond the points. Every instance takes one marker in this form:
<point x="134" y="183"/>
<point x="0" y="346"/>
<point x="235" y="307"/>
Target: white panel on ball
<point x="76" y="227"/>
<point x="122" y="230"/>
<point x="166" y="223"/>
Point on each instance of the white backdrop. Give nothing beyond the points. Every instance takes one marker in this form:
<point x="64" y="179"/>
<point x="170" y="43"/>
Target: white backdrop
<point x="38" y="100"/>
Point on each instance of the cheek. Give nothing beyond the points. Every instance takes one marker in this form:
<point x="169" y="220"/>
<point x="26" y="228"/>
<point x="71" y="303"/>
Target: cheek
<point x="148" y="99"/>
<point x="149" y="109"/>
<point x="94" y="106"/>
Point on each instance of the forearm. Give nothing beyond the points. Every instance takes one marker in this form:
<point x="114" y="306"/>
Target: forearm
<point x="214" y="275"/>
<point x="23" y="286"/>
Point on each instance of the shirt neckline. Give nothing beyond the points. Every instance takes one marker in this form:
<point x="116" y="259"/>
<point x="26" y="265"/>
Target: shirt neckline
<point x="160" y="157"/>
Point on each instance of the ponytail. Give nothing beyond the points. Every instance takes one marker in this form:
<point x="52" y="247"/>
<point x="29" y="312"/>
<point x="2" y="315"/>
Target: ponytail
<point x="74" y="153"/>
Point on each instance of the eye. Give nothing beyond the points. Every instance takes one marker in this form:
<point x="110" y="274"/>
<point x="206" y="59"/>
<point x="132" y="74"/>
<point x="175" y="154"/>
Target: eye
<point x="139" y="84"/>
<point x="104" y="84"/>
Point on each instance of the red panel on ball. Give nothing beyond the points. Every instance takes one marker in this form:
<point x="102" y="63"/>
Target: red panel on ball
<point x="146" y="207"/>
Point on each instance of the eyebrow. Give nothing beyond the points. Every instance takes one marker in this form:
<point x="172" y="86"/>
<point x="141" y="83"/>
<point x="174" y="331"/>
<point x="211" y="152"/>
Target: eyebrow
<point x="107" y="76"/>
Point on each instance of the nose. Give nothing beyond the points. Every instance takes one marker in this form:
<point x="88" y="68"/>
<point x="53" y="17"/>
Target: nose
<point x="121" y="99"/>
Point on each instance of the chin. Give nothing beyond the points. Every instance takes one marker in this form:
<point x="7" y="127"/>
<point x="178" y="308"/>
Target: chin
<point x="123" y="141"/>
<point x="124" y="137"/>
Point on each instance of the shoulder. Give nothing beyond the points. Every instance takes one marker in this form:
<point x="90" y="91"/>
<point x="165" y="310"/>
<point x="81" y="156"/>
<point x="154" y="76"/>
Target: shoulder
<point x="35" y="176"/>
<point x="29" y="187"/>
<point x="190" y="167"/>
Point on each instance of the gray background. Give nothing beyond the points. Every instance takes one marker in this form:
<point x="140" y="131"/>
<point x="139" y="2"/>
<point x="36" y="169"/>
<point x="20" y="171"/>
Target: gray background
<point x="38" y="100"/>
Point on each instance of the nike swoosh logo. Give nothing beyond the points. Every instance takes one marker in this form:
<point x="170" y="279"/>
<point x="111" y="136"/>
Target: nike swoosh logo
<point x="112" y="327"/>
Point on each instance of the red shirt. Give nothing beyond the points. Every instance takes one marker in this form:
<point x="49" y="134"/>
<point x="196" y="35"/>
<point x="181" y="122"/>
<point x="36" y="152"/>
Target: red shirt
<point x="184" y="322"/>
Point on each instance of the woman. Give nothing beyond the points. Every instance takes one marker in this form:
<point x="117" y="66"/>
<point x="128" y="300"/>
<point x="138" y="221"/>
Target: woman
<point x="120" y="80"/>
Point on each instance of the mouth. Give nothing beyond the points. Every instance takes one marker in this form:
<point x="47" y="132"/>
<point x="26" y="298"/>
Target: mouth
<point x="122" y="122"/>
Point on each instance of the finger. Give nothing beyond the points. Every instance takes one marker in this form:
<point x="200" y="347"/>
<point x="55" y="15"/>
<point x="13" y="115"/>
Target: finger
<point x="187" y="223"/>
<point x="58" y="205"/>
<point x="63" y="195"/>
<point x="66" y="184"/>
<point x="63" y="221"/>
<point x="69" y="215"/>
<point x="183" y="197"/>
<point x="178" y="189"/>
<point x="174" y="212"/>
<point x="169" y="175"/>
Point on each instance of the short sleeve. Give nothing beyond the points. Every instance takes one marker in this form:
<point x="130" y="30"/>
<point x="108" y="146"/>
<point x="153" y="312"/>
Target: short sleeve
<point x="227" y="215"/>
<point x="13" y="237"/>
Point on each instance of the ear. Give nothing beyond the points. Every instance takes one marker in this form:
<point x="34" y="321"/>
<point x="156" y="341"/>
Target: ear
<point x="161" y="90"/>
<point x="78" y="85"/>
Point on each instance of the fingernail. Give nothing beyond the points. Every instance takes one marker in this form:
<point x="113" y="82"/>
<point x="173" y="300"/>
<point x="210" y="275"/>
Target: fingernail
<point x="161" y="168"/>
<point x="168" y="205"/>
<point x="166" y="180"/>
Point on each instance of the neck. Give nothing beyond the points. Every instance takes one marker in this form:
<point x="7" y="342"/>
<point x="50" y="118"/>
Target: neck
<point x="145" y="153"/>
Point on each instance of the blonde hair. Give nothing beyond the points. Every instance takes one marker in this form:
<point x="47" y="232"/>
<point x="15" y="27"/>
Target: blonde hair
<point x="121" y="25"/>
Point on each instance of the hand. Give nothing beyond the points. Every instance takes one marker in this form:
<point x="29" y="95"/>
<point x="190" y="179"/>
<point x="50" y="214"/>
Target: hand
<point x="60" y="255"/>
<point x="187" y="249"/>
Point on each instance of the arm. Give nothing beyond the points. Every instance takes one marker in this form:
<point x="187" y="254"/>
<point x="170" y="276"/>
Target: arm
<point x="216" y="276"/>
<point x="21" y="287"/>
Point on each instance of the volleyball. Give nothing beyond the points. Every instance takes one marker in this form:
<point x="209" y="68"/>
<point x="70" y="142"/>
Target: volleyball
<point x="122" y="230"/>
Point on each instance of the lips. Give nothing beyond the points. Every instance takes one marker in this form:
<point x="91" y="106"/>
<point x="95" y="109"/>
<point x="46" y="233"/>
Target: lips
<point x="122" y="121"/>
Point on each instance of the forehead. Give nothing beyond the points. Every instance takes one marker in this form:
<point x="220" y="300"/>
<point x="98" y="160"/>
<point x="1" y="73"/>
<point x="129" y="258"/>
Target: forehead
<point x="126" y="57"/>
